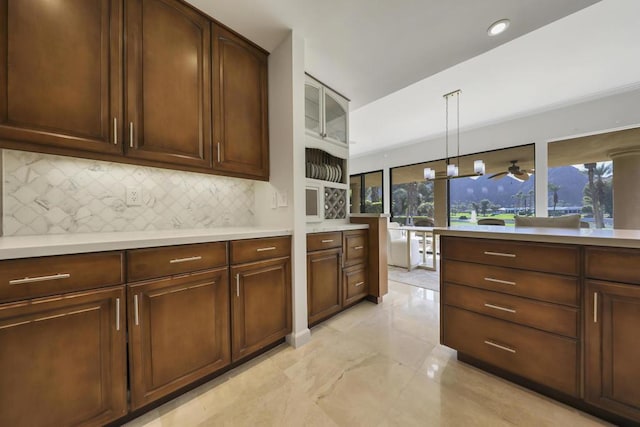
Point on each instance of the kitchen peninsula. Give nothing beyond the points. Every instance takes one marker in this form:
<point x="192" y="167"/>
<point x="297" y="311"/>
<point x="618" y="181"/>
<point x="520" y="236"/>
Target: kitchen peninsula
<point x="556" y="310"/>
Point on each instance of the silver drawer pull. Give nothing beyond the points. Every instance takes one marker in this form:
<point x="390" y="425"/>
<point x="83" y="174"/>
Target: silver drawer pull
<point x="501" y="347"/>
<point x="238" y="285"/>
<point x="500" y="254"/>
<point x="595" y="307"/>
<point x="504" y="282"/>
<point x="327" y="241"/>
<point x="270" y="248"/>
<point x="131" y="134"/>
<point x="136" y="314"/>
<point x="359" y="284"/>
<point x="115" y="130"/>
<point x="497" y="307"/>
<point x="357" y="248"/>
<point x="117" y="314"/>
<point x="40" y="278"/>
<point x="191" y="258"/>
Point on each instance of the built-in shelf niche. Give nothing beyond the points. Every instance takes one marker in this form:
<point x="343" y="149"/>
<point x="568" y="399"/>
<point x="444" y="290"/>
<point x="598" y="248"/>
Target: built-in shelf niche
<point x="323" y="166"/>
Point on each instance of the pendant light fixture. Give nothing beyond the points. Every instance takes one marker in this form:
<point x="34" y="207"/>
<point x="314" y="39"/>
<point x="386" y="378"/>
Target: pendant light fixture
<point x="453" y="168"/>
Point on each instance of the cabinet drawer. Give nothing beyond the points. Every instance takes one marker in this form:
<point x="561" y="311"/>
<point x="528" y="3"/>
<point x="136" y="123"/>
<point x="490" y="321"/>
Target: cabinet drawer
<point x="355" y="284"/>
<point x="319" y="241"/>
<point x="560" y="259"/>
<point x="150" y="263"/>
<point x="540" y="286"/>
<point x="544" y="358"/>
<point x="355" y="246"/>
<point x="36" y="277"/>
<point x="549" y="317"/>
<point x="615" y="264"/>
<point x="258" y="249"/>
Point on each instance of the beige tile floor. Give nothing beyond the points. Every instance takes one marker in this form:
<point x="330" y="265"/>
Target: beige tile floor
<point x="372" y="365"/>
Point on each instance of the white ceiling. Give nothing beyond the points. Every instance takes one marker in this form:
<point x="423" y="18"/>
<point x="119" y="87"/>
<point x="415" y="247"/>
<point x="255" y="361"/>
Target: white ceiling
<point x="395" y="59"/>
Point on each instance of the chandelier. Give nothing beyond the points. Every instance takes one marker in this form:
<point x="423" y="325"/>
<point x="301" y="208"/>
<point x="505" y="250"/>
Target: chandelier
<point x="453" y="169"/>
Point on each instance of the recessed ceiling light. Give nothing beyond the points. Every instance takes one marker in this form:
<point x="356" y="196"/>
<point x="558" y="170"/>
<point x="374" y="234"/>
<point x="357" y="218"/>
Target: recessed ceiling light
<point x="498" y="27"/>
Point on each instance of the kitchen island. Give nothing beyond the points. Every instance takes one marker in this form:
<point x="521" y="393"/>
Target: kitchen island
<point x="556" y="310"/>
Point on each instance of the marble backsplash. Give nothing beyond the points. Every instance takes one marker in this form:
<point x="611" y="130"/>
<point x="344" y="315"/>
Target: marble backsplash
<point x="46" y="194"/>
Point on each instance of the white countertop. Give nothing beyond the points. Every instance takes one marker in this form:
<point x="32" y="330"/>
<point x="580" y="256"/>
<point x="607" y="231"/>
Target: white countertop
<point x="320" y="228"/>
<point x="61" y="244"/>
<point x="582" y="236"/>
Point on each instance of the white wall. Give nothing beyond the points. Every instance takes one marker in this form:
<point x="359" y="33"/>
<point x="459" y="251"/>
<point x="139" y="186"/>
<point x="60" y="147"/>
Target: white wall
<point x="593" y="116"/>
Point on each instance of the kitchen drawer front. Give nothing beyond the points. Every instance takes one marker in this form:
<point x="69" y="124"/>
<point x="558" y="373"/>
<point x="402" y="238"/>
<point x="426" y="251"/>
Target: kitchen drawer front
<point x="355" y="245"/>
<point x="544" y="358"/>
<point x="614" y="264"/>
<point x="36" y="277"/>
<point x="259" y="249"/>
<point x="355" y="284"/>
<point x="559" y="259"/>
<point x="541" y="286"/>
<point x="165" y="261"/>
<point x="549" y="317"/>
<point x="320" y="241"/>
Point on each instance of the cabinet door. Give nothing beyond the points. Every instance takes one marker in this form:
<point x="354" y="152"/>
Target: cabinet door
<point x="63" y="360"/>
<point x="261" y="305"/>
<point x="336" y="116"/>
<point x="355" y="247"/>
<point x="612" y="316"/>
<point x="240" y="106"/>
<point x="179" y="332"/>
<point x="324" y="284"/>
<point x="168" y="83"/>
<point x="60" y="74"/>
<point x="313" y="111"/>
<point x="355" y="283"/>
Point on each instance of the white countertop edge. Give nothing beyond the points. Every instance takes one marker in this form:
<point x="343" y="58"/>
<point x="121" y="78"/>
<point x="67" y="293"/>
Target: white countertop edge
<point x="369" y="215"/>
<point x="583" y="236"/>
<point x="337" y="227"/>
<point x="14" y="247"/>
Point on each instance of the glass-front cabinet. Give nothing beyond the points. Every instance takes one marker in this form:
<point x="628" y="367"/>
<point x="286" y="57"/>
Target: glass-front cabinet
<point x="326" y="113"/>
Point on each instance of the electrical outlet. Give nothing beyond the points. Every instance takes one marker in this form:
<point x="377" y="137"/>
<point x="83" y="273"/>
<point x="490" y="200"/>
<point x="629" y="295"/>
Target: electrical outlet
<point x="134" y="196"/>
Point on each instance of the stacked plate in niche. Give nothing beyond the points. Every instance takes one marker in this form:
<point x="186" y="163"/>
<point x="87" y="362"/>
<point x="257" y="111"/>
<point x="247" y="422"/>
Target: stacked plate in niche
<point x="323" y="171"/>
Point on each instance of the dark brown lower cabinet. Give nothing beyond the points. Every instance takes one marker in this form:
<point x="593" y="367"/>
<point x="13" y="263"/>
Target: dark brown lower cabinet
<point x="355" y="284"/>
<point x="62" y="359"/>
<point x="179" y="332"/>
<point x="261" y="305"/>
<point x="324" y="283"/>
<point x="612" y="319"/>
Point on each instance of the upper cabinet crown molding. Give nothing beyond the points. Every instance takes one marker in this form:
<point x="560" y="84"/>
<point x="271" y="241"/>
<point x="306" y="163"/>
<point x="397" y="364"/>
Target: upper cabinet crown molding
<point x="157" y="108"/>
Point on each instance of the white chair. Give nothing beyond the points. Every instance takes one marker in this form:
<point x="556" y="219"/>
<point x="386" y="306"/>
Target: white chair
<point x="397" y="248"/>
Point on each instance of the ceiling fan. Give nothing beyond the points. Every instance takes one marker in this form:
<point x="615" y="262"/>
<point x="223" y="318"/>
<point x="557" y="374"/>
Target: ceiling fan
<point x="513" y="170"/>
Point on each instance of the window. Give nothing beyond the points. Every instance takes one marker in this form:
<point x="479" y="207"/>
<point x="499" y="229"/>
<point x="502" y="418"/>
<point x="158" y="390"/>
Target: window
<point x="366" y="193"/>
<point x="415" y="201"/>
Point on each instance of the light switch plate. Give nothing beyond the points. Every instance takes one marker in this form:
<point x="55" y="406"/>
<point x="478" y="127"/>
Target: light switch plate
<point x="282" y="199"/>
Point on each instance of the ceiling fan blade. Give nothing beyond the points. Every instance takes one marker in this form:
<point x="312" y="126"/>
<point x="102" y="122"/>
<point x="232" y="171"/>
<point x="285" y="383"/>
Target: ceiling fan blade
<point x="499" y="175"/>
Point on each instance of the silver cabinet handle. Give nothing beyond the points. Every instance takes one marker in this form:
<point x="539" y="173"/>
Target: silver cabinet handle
<point x="504" y="282"/>
<point x="359" y="284"/>
<point x="187" y="259"/>
<point x="500" y="254"/>
<point x="501" y="347"/>
<point x="497" y="307"/>
<point x="136" y="314"/>
<point x="219" y="156"/>
<point x="238" y="285"/>
<point x="115" y="131"/>
<point x="595" y="307"/>
<point x="40" y="278"/>
<point x="117" y="314"/>
<point x="357" y="248"/>
<point x="131" y="134"/>
<point x="270" y="248"/>
<point x="327" y="241"/>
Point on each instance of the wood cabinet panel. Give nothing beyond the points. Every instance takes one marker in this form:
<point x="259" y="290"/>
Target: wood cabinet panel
<point x="62" y="360"/>
<point x="60" y="74"/>
<point x="324" y="284"/>
<point x="355" y="284"/>
<point x="614" y="264"/>
<point x="149" y="263"/>
<point x="541" y="286"/>
<point x="168" y="95"/>
<point x="36" y="277"/>
<point x="355" y="245"/>
<point x="241" y="132"/>
<point x="320" y="241"/>
<point x="541" y="357"/>
<point x="250" y="250"/>
<point x="261" y="305"/>
<point x="558" y="259"/>
<point x="612" y="347"/>
<point x="179" y="330"/>
<point x="548" y="317"/>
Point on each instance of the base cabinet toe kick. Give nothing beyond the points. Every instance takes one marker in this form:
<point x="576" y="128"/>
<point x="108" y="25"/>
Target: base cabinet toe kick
<point x="560" y="319"/>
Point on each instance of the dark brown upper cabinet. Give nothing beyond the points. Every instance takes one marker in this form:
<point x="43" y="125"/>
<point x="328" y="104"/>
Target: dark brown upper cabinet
<point x="60" y="75"/>
<point x="241" y="134"/>
<point x="168" y="96"/>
